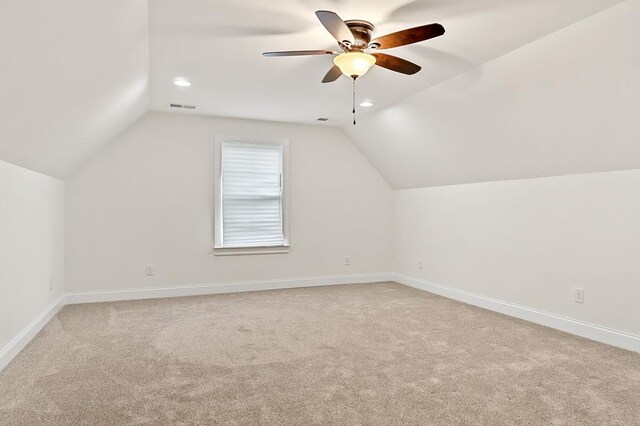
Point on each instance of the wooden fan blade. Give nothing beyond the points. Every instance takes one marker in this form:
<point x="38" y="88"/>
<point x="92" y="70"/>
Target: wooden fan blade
<point x="396" y="64"/>
<point x="408" y="36"/>
<point x="336" y="26"/>
<point x="300" y="53"/>
<point x="333" y="74"/>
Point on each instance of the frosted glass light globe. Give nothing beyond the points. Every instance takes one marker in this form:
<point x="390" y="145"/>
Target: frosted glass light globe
<point x="354" y="63"/>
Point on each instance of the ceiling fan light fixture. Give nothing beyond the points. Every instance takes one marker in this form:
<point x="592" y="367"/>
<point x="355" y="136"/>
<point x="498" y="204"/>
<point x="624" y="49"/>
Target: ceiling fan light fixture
<point x="354" y="64"/>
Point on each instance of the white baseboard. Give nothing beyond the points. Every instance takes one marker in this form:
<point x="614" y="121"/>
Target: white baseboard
<point x="569" y="325"/>
<point x="21" y="340"/>
<point x="237" y="287"/>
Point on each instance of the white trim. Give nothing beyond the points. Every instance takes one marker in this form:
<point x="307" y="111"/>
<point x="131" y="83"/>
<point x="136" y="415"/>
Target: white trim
<point x="569" y="325"/>
<point x="237" y="287"/>
<point x="19" y="342"/>
<point x="236" y="251"/>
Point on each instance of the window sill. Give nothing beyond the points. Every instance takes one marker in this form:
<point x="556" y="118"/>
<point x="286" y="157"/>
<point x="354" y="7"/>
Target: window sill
<point x="240" y="251"/>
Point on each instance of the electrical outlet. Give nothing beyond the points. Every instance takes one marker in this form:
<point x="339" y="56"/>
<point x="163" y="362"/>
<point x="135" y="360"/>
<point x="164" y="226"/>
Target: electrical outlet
<point x="347" y="260"/>
<point x="578" y="295"/>
<point x="420" y="264"/>
<point x="50" y="284"/>
<point x="150" y="270"/>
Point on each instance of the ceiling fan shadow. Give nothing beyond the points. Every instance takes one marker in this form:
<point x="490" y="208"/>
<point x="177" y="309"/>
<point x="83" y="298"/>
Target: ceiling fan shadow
<point x="465" y="80"/>
<point x="431" y="54"/>
<point x="433" y="10"/>
<point x="313" y="4"/>
<point x="222" y="30"/>
<point x="236" y="21"/>
<point x="463" y="73"/>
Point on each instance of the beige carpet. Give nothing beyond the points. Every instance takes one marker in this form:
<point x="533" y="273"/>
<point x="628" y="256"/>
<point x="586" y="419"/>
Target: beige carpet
<point x="361" y="354"/>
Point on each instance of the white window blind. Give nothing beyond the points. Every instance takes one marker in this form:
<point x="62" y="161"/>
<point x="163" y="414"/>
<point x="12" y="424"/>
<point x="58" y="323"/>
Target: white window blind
<point x="251" y="194"/>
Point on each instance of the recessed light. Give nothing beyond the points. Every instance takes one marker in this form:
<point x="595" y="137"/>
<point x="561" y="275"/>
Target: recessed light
<point x="181" y="82"/>
<point x="366" y="104"/>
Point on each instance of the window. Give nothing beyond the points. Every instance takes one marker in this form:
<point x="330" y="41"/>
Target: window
<point x="251" y="189"/>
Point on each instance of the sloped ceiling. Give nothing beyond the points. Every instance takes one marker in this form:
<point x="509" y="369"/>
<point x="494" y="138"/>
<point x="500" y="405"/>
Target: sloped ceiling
<point x="73" y="74"/>
<point x="218" y="45"/>
<point x="564" y="104"/>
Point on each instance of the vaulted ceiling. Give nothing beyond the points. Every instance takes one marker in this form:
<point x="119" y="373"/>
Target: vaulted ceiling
<point x="73" y="74"/>
<point x="76" y="73"/>
<point x="218" y="46"/>
<point x="565" y="104"/>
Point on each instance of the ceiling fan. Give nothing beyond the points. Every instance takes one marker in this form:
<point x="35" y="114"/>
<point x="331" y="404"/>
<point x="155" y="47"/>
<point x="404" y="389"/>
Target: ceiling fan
<point x="354" y="38"/>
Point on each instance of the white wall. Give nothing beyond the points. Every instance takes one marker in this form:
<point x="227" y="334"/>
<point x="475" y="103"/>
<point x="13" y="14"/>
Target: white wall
<point x="31" y="247"/>
<point x="530" y="242"/>
<point x="147" y="198"/>
<point x="560" y="106"/>
<point x="564" y="104"/>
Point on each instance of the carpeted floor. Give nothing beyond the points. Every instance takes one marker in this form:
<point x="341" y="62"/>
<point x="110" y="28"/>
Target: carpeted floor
<point x="360" y="354"/>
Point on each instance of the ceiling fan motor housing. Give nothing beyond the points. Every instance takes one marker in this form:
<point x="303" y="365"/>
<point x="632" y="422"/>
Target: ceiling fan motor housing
<point x="362" y="31"/>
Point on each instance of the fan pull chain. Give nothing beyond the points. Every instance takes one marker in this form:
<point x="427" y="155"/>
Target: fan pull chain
<point x="354" y="100"/>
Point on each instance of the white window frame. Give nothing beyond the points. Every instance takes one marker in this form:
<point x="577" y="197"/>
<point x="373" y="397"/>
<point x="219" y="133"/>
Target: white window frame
<point x="219" y="249"/>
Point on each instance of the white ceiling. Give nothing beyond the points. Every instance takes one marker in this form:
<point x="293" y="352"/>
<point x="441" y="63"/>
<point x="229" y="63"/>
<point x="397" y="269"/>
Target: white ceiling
<point x="564" y="104"/>
<point x="217" y="44"/>
<point x="73" y="74"/>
